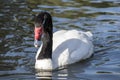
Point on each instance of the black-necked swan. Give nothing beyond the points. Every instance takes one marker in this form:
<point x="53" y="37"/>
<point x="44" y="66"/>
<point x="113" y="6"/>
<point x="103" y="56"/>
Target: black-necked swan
<point x="61" y="48"/>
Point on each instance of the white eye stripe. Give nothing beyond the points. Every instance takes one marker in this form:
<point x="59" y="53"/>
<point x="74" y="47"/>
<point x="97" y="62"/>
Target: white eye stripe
<point x="44" y="19"/>
<point x="44" y="22"/>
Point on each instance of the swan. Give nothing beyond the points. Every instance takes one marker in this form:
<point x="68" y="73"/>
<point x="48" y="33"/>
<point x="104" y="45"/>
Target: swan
<point x="62" y="48"/>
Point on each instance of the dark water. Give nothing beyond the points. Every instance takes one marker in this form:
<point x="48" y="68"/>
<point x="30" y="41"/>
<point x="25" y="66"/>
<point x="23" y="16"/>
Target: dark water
<point x="101" y="17"/>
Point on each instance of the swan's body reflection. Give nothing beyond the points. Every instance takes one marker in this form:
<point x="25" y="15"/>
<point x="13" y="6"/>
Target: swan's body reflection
<point x="44" y="75"/>
<point x="64" y="73"/>
<point x="60" y="74"/>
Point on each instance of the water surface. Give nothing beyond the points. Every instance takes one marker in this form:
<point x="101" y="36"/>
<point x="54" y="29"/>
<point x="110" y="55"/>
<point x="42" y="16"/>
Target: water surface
<point x="101" y="17"/>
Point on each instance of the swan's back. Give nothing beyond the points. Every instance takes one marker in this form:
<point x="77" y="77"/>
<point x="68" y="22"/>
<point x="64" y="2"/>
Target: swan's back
<point x="71" y="46"/>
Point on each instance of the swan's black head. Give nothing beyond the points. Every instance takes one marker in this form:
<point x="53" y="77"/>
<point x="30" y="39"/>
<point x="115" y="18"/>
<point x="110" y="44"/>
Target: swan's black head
<point x="44" y="20"/>
<point x="43" y="25"/>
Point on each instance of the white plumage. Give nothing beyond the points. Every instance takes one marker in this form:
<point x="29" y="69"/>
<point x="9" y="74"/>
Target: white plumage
<point x="69" y="46"/>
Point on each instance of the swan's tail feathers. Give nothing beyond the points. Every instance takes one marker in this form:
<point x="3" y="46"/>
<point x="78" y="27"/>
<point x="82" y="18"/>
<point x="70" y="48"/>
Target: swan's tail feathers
<point x="90" y="35"/>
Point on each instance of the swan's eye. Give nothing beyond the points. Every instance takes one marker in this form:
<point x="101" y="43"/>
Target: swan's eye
<point x="38" y="25"/>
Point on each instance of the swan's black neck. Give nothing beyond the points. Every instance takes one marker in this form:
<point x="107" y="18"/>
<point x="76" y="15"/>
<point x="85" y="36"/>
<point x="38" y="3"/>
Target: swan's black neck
<point x="46" y="19"/>
<point x="46" y="51"/>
